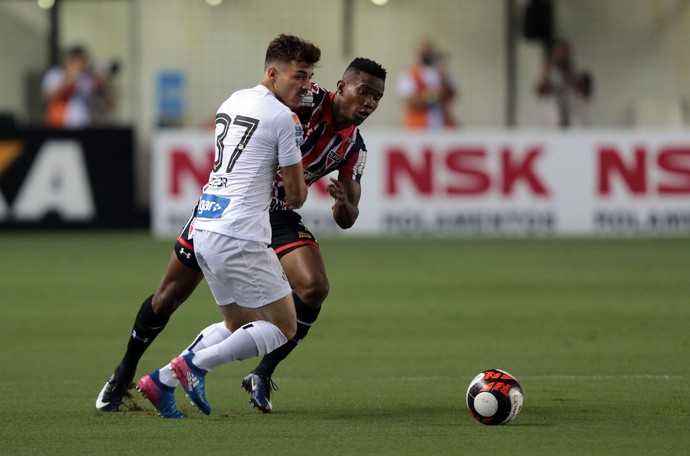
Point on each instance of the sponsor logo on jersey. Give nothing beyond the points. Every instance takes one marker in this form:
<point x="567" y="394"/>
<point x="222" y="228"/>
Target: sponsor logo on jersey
<point x="308" y="99"/>
<point x="211" y="206"/>
<point x="299" y="132"/>
<point x="299" y="138"/>
<point x="216" y="181"/>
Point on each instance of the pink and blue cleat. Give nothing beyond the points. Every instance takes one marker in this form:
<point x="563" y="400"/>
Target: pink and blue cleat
<point x="161" y="396"/>
<point x="192" y="379"/>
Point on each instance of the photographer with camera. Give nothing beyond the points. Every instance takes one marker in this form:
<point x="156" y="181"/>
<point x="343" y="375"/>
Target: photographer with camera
<point x="76" y="95"/>
<point x="564" y="93"/>
<point x="427" y="91"/>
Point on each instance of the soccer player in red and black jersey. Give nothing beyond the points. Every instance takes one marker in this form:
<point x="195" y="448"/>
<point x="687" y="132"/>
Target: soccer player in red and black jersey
<point x="332" y="142"/>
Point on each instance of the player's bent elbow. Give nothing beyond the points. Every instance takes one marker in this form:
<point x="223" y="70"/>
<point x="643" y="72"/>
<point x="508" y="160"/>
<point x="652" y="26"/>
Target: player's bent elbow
<point x="297" y="196"/>
<point x="295" y="187"/>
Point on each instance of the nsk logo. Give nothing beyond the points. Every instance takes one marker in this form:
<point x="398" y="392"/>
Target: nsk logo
<point x="645" y="172"/>
<point x="471" y="171"/>
<point x="186" y="165"/>
<point x="463" y="171"/>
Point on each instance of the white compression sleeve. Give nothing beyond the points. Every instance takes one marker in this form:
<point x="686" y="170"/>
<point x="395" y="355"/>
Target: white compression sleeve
<point x="208" y="337"/>
<point x="253" y="339"/>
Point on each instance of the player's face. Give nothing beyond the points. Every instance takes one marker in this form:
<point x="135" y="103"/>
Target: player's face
<point x="291" y="82"/>
<point x="359" y="95"/>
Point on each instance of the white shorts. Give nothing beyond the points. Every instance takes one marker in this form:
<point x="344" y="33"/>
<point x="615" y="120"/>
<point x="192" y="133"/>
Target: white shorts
<point x="238" y="271"/>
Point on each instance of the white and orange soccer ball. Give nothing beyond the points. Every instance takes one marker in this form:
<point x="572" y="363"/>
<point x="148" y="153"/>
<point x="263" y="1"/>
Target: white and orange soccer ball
<point x="494" y="397"/>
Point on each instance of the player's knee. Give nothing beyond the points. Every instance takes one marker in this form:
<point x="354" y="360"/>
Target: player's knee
<point x="313" y="292"/>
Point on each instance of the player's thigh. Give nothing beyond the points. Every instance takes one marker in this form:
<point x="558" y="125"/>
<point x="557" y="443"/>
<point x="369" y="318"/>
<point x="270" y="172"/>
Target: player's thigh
<point x="236" y="316"/>
<point x="280" y="312"/>
<point x="306" y="271"/>
<point x="300" y="257"/>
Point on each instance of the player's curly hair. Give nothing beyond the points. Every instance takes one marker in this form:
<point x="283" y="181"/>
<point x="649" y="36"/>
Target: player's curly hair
<point x="361" y="64"/>
<point x="286" y="48"/>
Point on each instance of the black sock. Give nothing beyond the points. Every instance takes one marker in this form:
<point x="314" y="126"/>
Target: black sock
<point x="147" y="325"/>
<point x="306" y="316"/>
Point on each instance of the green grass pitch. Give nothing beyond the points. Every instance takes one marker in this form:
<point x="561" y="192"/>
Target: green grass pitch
<point x="597" y="332"/>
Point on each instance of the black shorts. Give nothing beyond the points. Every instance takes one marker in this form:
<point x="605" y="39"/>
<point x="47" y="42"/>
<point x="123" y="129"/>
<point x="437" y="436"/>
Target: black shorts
<point x="289" y="233"/>
<point x="184" y="247"/>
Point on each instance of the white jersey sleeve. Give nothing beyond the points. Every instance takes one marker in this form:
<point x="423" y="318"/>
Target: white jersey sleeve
<point x="289" y="137"/>
<point x="255" y="133"/>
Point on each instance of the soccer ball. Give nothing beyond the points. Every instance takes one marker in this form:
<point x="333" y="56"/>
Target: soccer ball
<point x="494" y="397"/>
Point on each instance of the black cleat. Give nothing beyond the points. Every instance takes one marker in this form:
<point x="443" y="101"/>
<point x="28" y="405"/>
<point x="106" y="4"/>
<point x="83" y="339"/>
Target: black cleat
<point x="111" y="396"/>
<point x="259" y="387"/>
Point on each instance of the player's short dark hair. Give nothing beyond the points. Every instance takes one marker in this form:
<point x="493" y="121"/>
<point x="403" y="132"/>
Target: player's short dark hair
<point x="361" y="64"/>
<point x="286" y="48"/>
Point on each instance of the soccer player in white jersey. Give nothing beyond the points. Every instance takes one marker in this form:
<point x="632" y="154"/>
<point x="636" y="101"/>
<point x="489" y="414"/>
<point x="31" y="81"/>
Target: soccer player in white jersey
<point x="330" y="122"/>
<point x="256" y="132"/>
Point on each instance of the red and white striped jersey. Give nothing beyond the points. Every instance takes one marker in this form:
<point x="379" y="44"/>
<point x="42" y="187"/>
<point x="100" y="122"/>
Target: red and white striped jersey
<point x="324" y="149"/>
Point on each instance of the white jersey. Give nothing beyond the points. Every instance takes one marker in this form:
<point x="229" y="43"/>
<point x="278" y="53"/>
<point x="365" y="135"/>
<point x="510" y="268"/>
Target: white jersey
<point x="255" y="133"/>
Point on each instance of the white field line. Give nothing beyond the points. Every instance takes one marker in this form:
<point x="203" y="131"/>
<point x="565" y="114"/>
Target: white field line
<point x="607" y="377"/>
<point x="570" y="377"/>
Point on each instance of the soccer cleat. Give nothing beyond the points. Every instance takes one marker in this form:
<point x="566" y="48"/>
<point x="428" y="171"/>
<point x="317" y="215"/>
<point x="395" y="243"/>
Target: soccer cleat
<point x="192" y="379"/>
<point x="259" y="387"/>
<point x="111" y="396"/>
<point x="161" y="396"/>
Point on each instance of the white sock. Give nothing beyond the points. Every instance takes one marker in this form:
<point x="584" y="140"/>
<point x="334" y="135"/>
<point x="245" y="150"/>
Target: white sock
<point x="208" y="337"/>
<point x="253" y="339"/>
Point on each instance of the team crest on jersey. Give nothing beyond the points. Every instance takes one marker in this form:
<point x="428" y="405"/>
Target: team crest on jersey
<point x="211" y="206"/>
<point x="333" y="158"/>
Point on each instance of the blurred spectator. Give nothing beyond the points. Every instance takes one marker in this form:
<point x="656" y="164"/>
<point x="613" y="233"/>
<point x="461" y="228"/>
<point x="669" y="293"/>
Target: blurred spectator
<point x="564" y="93"/>
<point x="75" y="93"/>
<point x="427" y="91"/>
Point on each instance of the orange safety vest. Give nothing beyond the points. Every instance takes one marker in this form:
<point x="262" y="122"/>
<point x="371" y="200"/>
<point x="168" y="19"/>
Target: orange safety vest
<point x="419" y="118"/>
<point x="57" y="109"/>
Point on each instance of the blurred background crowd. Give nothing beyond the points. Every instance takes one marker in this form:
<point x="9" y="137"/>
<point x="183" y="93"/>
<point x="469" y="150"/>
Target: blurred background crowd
<point x="578" y="110"/>
<point x="171" y="62"/>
